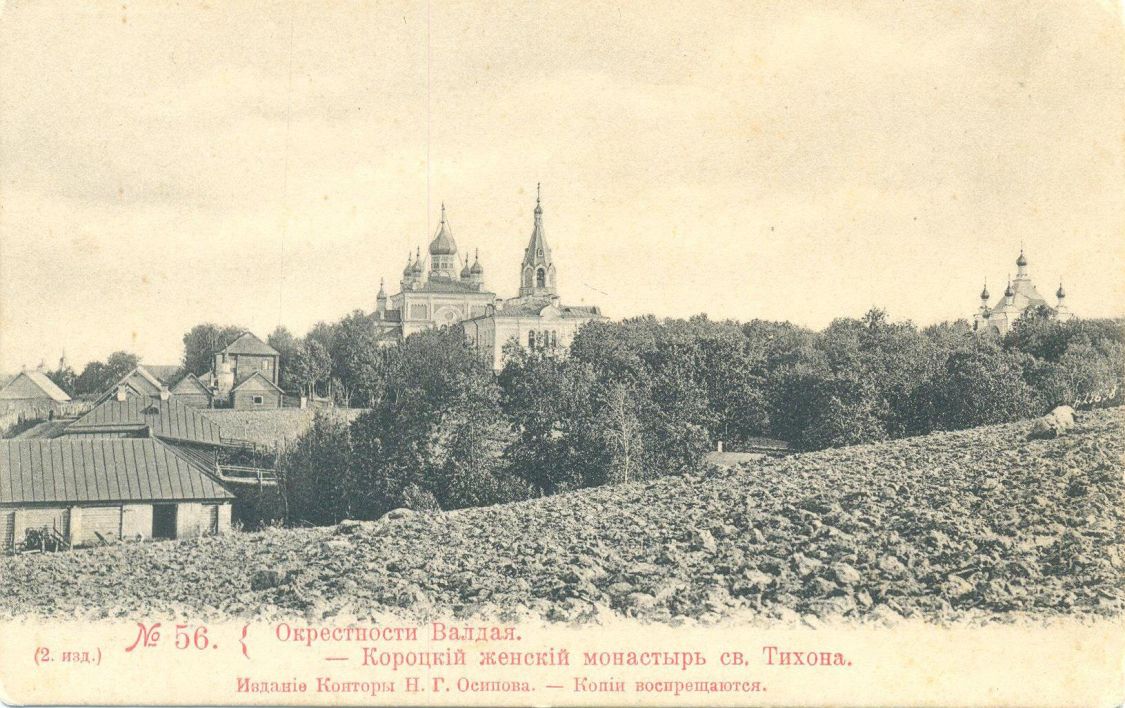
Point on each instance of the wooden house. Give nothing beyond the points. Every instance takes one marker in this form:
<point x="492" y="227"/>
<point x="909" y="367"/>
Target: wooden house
<point x="91" y="490"/>
<point x="31" y="390"/>
<point x="190" y="391"/>
<point x="255" y="392"/>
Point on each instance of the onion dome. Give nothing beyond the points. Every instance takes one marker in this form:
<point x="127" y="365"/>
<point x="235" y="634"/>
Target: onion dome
<point x="1008" y="292"/>
<point x="1022" y="260"/>
<point x="466" y="271"/>
<point x="409" y="266"/>
<point x="477" y="268"/>
<point x="382" y="293"/>
<point x="984" y="295"/>
<point x="1060" y="293"/>
<point x="443" y="243"/>
<point x="416" y="268"/>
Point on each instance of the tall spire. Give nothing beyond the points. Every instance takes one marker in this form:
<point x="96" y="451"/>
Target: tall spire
<point x="537" y="272"/>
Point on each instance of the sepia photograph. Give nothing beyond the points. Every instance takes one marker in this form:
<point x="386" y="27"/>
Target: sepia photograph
<point x="406" y="352"/>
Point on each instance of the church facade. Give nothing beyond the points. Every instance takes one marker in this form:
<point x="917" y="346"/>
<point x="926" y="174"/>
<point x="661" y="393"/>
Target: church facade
<point x="445" y="295"/>
<point x="1019" y="296"/>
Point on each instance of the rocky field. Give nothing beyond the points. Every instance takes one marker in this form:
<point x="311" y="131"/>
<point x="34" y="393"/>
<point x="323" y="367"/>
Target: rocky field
<point x="977" y="525"/>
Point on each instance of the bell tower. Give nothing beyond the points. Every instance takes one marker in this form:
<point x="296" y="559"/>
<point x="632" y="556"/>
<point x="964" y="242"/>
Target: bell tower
<point x="537" y="272"/>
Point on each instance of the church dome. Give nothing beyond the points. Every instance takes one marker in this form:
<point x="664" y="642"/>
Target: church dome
<point x="984" y="295"/>
<point x="466" y="271"/>
<point x="477" y="268"/>
<point x="443" y="243"/>
<point x="409" y="266"/>
<point x="1060" y="293"/>
<point x="1022" y="260"/>
<point x="1008" y="292"/>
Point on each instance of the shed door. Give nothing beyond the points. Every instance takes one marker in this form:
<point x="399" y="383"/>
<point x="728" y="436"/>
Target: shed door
<point x="104" y="520"/>
<point x="7" y="529"/>
<point x="164" y="521"/>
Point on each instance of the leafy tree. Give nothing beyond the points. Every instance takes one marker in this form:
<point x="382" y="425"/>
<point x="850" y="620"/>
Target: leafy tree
<point x="358" y="363"/>
<point x="621" y="428"/>
<point x="65" y="378"/>
<point x="309" y="366"/>
<point x="202" y="341"/>
<point x="287" y="347"/>
<point x="98" y="376"/>
<point x="980" y="384"/>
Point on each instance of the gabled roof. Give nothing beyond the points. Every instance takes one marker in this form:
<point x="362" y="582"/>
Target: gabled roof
<point x="139" y="379"/>
<point x="257" y="376"/>
<point x="248" y="343"/>
<point x="33" y="384"/>
<point x="167" y="373"/>
<point x="68" y="470"/>
<point x="164" y="419"/>
<point x="190" y="383"/>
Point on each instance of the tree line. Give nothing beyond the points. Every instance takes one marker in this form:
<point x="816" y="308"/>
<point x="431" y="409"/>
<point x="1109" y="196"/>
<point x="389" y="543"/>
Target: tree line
<point x="646" y="397"/>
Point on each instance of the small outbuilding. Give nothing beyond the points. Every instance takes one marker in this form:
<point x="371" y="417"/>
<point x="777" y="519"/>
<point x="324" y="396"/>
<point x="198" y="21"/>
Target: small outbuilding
<point x="88" y="491"/>
<point x="30" y="390"/>
<point x="255" y="392"/>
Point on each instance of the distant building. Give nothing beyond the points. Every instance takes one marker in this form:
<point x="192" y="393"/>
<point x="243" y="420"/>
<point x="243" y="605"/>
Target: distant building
<point x="247" y="356"/>
<point x="443" y="296"/>
<point x="1019" y="296"/>
<point x="256" y="391"/>
<point x="535" y="318"/>
<point x="31" y="390"/>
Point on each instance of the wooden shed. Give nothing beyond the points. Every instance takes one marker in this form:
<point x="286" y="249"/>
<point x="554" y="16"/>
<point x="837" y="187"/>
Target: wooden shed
<point x="31" y="390"/>
<point x="85" y="491"/>
<point x="256" y="392"/>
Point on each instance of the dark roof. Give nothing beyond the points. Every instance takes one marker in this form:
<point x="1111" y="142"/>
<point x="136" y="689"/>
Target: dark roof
<point x="256" y="375"/>
<point x="32" y="384"/>
<point x="248" y="343"/>
<point x="100" y="470"/>
<point x="166" y="419"/>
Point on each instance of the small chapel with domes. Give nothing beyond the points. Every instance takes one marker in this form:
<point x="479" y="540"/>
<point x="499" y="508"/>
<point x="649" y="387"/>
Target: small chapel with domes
<point x="1019" y="296"/>
<point x="446" y="295"/>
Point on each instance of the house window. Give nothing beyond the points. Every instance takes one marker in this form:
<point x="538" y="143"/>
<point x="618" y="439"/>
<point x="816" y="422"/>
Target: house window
<point x="258" y="400"/>
<point x="265" y="364"/>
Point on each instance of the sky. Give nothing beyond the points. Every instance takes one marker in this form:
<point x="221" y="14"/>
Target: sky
<point x="167" y="164"/>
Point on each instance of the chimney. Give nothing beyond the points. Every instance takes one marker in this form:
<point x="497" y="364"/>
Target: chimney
<point x="121" y="393"/>
<point x="165" y="394"/>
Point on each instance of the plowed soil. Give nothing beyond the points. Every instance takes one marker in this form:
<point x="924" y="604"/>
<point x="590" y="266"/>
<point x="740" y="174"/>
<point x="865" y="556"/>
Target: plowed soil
<point x="978" y="525"/>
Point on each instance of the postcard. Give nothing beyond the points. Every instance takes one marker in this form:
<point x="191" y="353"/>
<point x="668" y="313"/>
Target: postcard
<point x="562" y="353"/>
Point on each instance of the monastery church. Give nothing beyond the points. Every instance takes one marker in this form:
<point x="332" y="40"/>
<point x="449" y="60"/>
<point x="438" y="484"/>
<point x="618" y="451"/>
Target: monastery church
<point x="447" y="295"/>
<point x="1019" y="297"/>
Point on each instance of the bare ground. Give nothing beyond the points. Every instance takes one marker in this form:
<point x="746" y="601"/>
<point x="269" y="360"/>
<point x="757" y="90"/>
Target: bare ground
<point x="976" y="525"/>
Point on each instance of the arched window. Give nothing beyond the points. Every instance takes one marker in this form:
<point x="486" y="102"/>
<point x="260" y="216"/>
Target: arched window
<point x="531" y="340"/>
<point x="541" y="278"/>
<point x="554" y="339"/>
